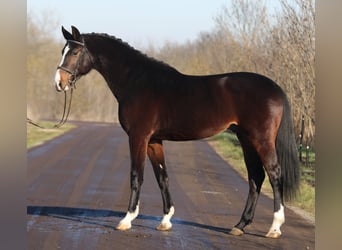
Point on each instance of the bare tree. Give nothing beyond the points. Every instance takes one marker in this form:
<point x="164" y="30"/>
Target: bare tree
<point x="244" y="25"/>
<point x="293" y="51"/>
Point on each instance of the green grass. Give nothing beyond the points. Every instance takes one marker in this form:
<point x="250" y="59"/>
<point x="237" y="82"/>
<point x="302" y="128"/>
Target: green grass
<point x="37" y="136"/>
<point x="227" y="145"/>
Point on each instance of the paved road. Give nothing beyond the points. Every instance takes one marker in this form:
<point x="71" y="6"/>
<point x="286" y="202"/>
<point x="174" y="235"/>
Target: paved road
<point x="78" y="188"/>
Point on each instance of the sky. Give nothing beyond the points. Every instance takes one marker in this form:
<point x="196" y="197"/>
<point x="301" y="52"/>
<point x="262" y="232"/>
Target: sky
<point x="139" y="23"/>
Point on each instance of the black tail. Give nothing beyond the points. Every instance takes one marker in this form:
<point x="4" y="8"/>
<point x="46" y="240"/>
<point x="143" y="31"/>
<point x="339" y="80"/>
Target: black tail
<point x="287" y="154"/>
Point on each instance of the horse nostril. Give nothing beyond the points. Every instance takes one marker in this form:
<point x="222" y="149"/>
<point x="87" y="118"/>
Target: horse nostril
<point x="58" y="86"/>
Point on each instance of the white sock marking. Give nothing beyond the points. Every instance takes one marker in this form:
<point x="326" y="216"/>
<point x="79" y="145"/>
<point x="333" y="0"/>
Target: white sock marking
<point x="167" y="217"/>
<point x="125" y="223"/>
<point x="166" y="224"/>
<point x="278" y="220"/>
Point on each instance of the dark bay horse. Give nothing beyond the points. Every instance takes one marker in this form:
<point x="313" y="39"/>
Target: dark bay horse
<point x="156" y="103"/>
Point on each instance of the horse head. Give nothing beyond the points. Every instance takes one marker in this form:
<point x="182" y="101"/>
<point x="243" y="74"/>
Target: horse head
<point x="76" y="60"/>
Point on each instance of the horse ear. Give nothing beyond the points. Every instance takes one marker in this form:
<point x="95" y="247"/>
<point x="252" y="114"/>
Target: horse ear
<point x="76" y="34"/>
<point x="67" y="35"/>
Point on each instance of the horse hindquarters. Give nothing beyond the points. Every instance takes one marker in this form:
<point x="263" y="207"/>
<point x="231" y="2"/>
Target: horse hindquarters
<point x="271" y="139"/>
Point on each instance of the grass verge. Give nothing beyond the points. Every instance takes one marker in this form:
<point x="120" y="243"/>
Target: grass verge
<point x="36" y="136"/>
<point x="228" y="147"/>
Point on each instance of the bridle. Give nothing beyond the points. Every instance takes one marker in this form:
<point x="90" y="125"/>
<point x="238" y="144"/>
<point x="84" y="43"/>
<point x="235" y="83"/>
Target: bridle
<point x="72" y="82"/>
<point x="73" y="73"/>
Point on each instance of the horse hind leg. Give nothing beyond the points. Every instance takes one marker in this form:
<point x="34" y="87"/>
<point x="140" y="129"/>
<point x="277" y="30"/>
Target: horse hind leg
<point x="156" y="154"/>
<point x="273" y="169"/>
<point x="256" y="176"/>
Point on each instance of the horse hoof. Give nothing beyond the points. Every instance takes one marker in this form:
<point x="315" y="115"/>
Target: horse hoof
<point x="164" y="227"/>
<point x="273" y="234"/>
<point x="236" y="231"/>
<point x="123" y="226"/>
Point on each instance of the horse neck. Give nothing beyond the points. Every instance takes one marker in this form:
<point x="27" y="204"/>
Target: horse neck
<point x="112" y="61"/>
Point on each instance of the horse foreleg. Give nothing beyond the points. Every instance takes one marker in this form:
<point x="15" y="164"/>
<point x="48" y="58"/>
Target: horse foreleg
<point x="138" y="149"/>
<point x="156" y="155"/>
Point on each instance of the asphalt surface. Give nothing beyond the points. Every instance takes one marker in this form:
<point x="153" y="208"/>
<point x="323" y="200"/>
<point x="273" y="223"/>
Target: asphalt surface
<point x="78" y="190"/>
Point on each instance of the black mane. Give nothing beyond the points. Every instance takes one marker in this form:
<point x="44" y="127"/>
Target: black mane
<point x="133" y="51"/>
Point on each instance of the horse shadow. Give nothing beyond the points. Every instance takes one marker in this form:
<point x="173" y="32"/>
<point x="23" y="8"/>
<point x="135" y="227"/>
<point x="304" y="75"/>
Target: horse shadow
<point x="98" y="217"/>
<point x="92" y="216"/>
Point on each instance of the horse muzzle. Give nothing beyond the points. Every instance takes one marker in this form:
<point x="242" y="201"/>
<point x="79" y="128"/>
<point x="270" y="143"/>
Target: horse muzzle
<point x="62" y="81"/>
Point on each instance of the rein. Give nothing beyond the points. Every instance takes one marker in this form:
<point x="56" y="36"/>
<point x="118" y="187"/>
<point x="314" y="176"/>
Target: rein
<point x="64" y="116"/>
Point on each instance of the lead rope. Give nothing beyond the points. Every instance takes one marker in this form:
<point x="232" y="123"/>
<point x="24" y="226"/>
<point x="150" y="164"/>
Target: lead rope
<point x="64" y="117"/>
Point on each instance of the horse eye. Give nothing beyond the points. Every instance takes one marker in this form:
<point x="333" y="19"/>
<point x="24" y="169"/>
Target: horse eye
<point x="74" y="53"/>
